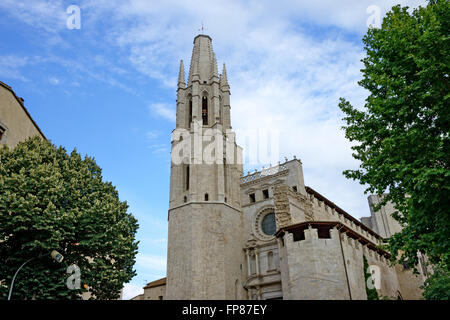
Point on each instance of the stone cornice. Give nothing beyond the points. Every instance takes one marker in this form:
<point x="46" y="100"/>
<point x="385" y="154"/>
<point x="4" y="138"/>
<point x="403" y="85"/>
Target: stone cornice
<point x="265" y="178"/>
<point x="318" y="196"/>
<point x="203" y="203"/>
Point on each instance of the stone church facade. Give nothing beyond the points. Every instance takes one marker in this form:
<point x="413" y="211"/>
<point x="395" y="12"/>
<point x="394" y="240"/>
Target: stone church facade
<point x="265" y="235"/>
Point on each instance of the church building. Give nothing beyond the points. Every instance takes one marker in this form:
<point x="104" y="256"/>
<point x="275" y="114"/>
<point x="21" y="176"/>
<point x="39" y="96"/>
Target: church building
<point x="264" y="235"/>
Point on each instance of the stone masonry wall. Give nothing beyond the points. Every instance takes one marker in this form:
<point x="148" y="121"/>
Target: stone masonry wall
<point x="204" y="252"/>
<point x="316" y="269"/>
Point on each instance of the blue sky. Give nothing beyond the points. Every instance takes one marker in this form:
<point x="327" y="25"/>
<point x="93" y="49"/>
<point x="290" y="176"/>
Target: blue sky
<point x="108" y="89"/>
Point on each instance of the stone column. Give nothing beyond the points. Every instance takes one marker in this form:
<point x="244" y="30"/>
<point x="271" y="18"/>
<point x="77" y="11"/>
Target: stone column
<point x="257" y="262"/>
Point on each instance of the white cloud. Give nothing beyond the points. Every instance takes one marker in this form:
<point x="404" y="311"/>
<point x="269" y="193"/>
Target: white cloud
<point x="10" y="66"/>
<point x="158" y="240"/>
<point x="159" y="149"/>
<point x="152" y="242"/>
<point x="282" y="74"/>
<point x="164" y="110"/>
<point x="153" y="134"/>
<point x="49" y="15"/>
<point x="53" y="80"/>
<point x="131" y="291"/>
<point x="288" y="63"/>
<point x="151" y="263"/>
<point x="347" y="14"/>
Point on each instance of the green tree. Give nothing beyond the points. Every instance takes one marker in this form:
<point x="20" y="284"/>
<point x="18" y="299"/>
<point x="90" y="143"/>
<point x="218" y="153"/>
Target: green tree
<point x="50" y="200"/>
<point x="401" y="136"/>
<point x="437" y="286"/>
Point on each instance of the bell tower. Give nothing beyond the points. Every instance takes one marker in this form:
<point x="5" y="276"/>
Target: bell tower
<point x="204" y="258"/>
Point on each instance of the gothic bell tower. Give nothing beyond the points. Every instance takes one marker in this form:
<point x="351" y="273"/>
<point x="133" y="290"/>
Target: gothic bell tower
<point x="204" y="259"/>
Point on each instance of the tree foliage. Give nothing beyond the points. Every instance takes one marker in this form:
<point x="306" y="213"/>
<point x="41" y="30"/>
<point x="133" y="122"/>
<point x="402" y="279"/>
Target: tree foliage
<point x="401" y="135"/>
<point x="50" y="200"/>
<point x="437" y="286"/>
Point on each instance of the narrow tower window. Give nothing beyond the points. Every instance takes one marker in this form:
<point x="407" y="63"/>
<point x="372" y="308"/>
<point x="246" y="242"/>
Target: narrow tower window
<point x="220" y="109"/>
<point x="206" y="197"/>
<point x="187" y="177"/>
<point x="190" y="113"/>
<point x="252" y="197"/>
<point x="265" y="193"/>
<point x="205" y="110"/>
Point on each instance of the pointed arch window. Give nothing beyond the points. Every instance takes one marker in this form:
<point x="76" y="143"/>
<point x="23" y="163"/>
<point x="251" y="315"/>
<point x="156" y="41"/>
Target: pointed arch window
<point x="190" y="112"/>
<point x="220" y="109"/>
<point x="205" y="110"/>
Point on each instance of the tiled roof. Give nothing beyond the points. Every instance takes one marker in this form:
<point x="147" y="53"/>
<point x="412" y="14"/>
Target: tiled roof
<point x="156" y="283"/>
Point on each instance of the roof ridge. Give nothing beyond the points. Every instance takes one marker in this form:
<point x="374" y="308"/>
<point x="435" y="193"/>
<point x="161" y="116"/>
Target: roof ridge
<point x="21" y="102"/>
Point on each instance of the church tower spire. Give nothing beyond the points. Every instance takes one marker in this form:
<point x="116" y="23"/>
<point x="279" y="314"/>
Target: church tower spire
<point x="215" y="73"/>
<point x="205" y="220"/>
<point x="206" y="96"/>
<point x="224" y="79"/>
<point x="181" y="80"/>
<point x="202" y="60"/>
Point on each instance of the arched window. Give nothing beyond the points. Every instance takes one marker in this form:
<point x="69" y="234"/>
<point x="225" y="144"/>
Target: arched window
<point x="205" y="110"/>
<point x="206" y="197"/>
<point x="252" y="264"/>
<point x="185" y="199"/>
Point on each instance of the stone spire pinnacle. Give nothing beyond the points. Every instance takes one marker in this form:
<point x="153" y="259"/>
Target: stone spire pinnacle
<point x="215" y="73"/>
<point x="203" y="63"/>
<point x="181" y="79"/>
<point x="223" y="78"/>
